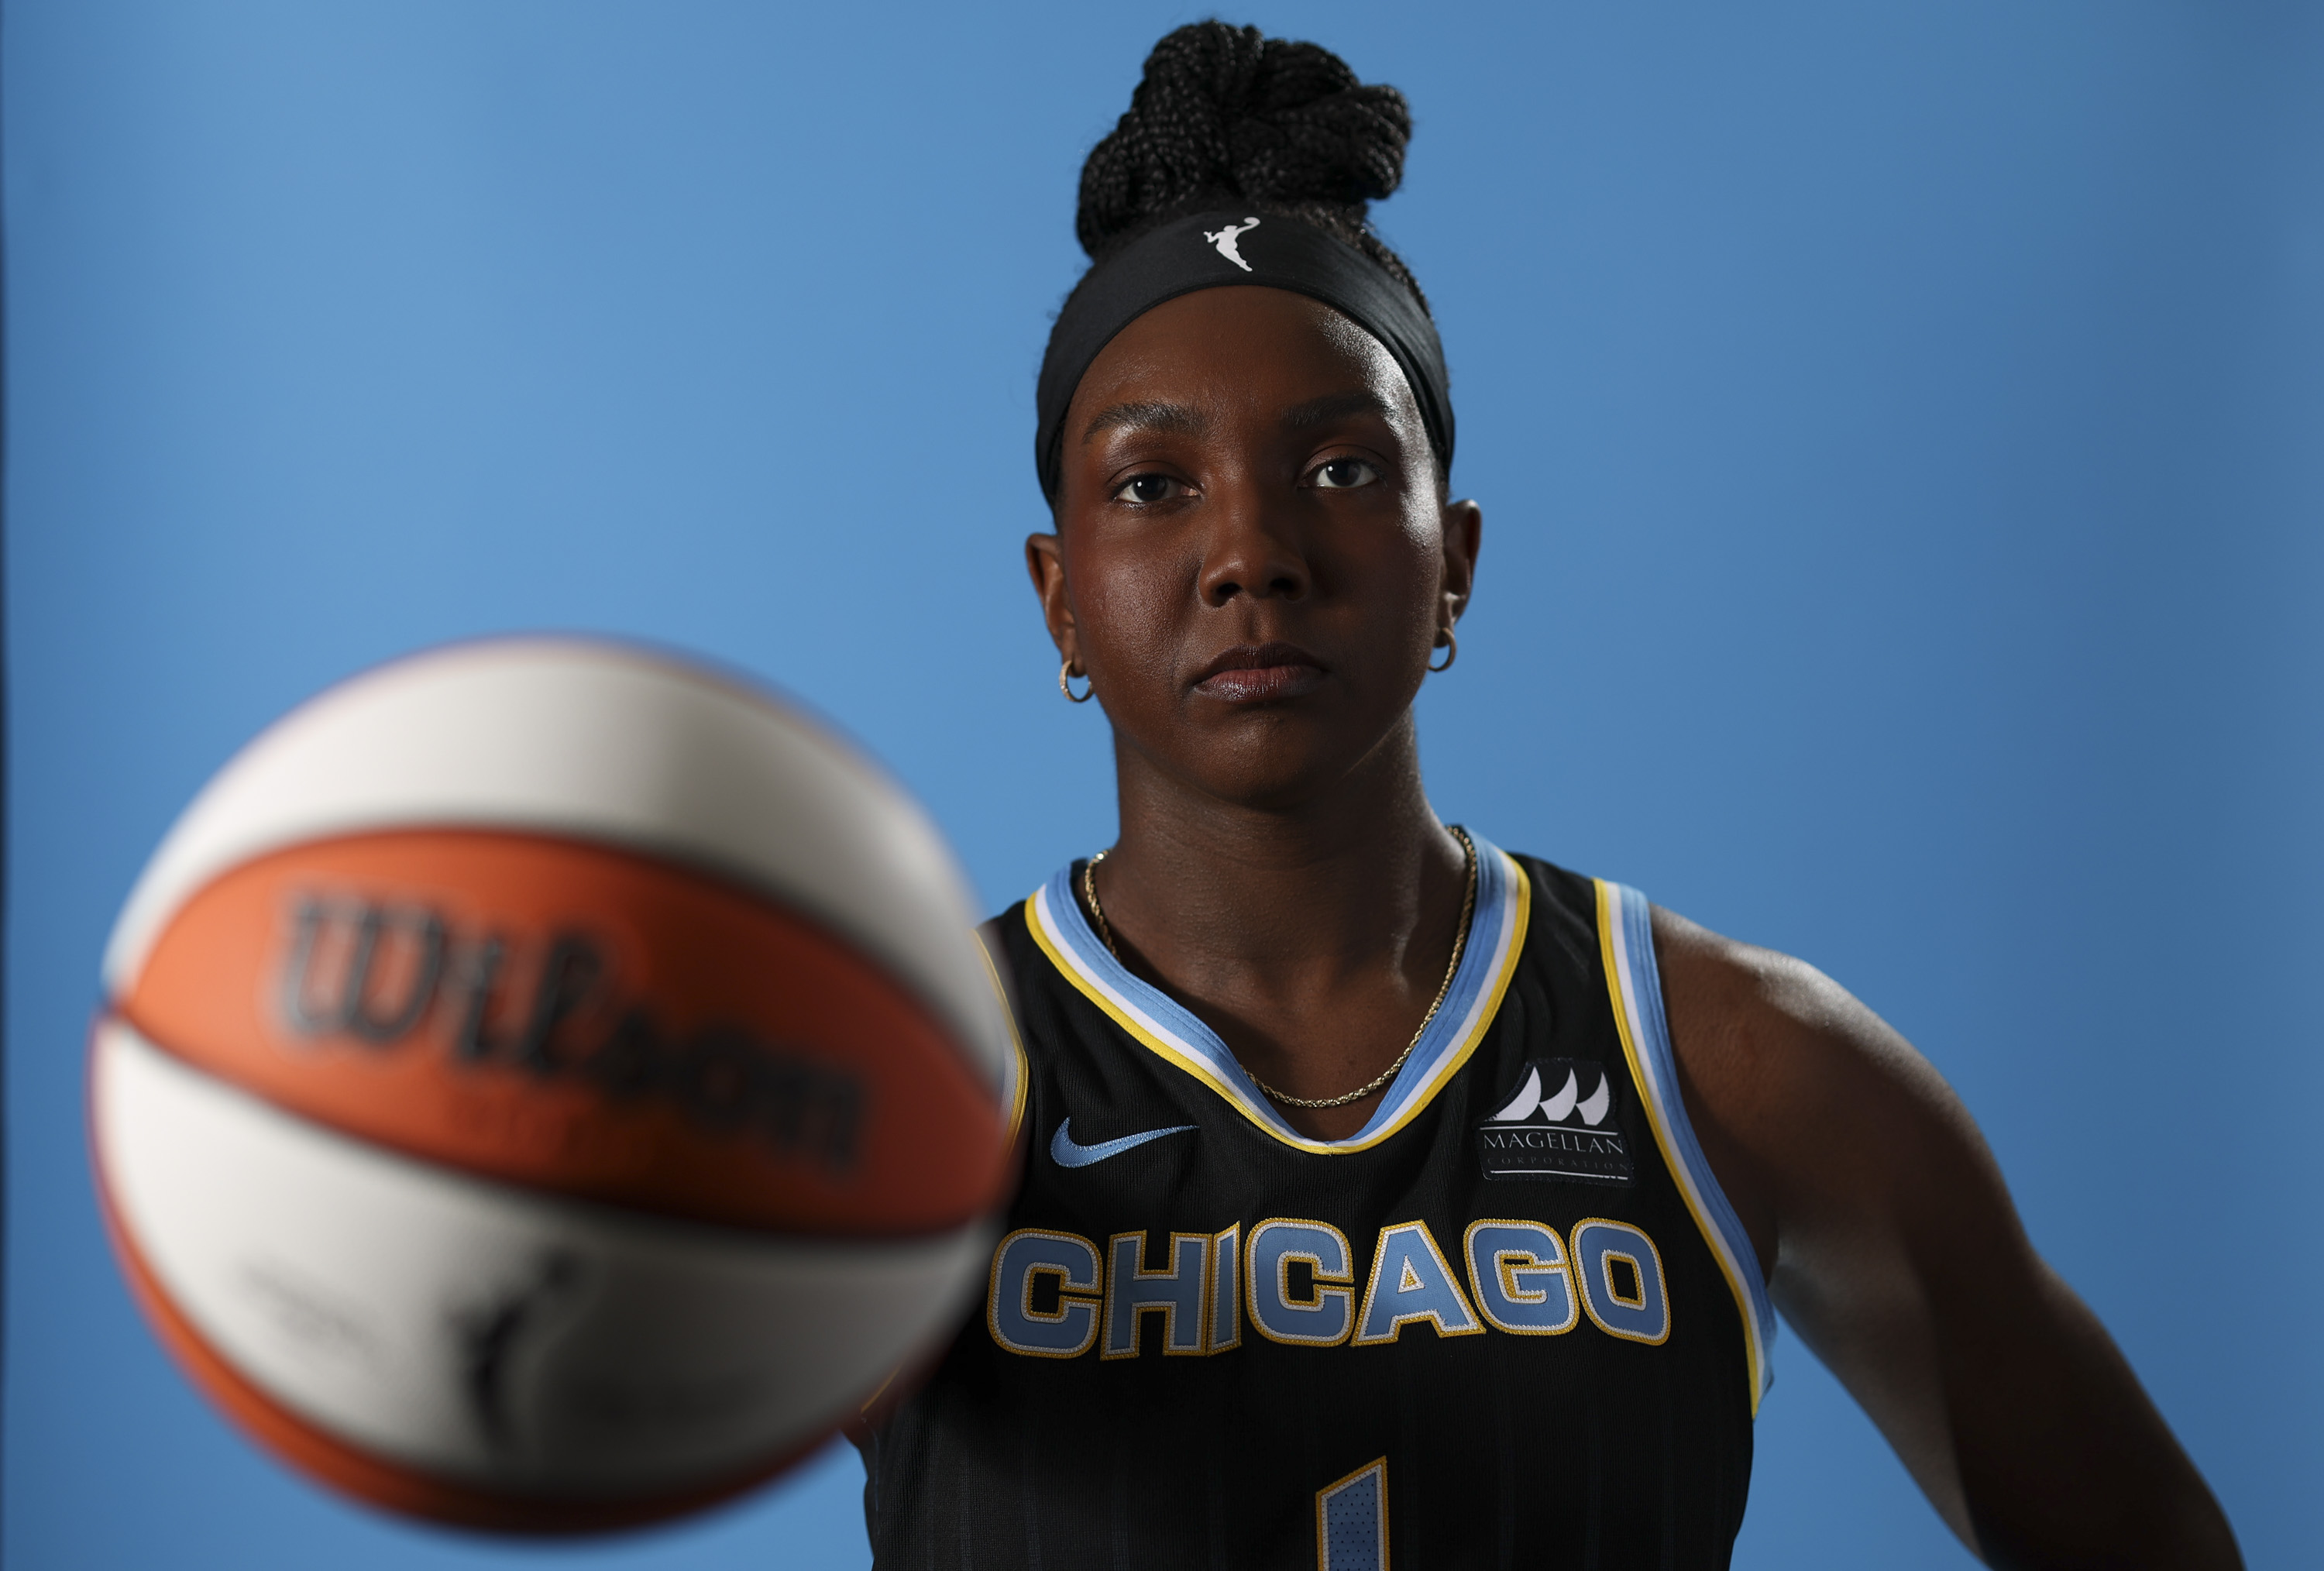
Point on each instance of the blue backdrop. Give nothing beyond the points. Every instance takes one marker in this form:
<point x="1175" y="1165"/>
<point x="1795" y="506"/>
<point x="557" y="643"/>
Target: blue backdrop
<point x="1898" y="430"/>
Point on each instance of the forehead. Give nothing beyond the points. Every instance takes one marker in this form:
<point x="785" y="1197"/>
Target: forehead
<point x="1246" y="344"/>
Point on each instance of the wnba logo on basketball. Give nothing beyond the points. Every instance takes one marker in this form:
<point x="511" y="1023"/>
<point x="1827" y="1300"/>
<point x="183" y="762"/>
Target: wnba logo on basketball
<point x="379" y="972"/>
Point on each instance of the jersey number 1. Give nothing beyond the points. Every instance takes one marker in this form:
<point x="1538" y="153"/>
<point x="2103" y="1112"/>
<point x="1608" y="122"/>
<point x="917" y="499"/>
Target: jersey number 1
<point x="1352" y="1521"/>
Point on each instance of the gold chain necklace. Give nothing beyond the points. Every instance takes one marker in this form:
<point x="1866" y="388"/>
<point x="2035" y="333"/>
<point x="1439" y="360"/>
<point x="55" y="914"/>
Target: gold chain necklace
<point x="1452" y="967"/>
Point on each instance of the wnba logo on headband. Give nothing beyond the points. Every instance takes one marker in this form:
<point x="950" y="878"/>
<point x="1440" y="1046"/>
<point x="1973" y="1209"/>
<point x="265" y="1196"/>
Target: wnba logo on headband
<point x="1224" y="239"/>
<point x="1182" y="257"/>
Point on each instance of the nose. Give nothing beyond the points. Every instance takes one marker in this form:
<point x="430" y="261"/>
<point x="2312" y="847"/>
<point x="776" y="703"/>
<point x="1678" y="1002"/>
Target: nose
<point x="1251" y="553"/>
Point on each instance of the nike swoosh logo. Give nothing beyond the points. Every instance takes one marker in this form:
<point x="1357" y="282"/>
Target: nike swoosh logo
<point x="1065" y="1153"/>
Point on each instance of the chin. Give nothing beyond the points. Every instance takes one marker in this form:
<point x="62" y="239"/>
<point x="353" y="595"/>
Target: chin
<point x="1277" y="774"/>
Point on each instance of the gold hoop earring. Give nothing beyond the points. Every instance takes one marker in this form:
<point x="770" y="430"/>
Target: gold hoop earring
<point x="1452" y="651"/>
<point x="1086" y="693"/>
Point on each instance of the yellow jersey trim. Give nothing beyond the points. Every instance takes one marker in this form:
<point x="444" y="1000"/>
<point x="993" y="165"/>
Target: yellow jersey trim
<point x="1040" y="920"/>
<point x="1658" y="1118"/>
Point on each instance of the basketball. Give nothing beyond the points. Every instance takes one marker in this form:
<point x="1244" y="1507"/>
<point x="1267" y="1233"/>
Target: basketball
<point x="545" y="1085"/>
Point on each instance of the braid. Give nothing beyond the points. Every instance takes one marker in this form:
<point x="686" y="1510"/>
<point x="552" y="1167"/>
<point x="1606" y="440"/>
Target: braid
<point x="1225" y="118"/>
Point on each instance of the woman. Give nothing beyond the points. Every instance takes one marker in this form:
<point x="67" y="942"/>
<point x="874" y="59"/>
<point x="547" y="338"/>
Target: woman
<point x="1388" y="1196"/>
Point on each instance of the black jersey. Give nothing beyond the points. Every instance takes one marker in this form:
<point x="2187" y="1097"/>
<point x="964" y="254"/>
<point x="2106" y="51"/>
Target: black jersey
<point x="1511" y="1322"/>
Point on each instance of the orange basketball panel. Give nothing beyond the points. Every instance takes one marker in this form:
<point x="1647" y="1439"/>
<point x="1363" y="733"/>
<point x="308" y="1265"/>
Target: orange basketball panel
<point x="580" y="1018"/>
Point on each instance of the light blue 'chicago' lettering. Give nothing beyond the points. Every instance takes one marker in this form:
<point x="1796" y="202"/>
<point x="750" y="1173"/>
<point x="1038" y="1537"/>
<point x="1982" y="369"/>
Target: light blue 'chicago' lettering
<point x="1226" y="1290"/>
<point x="1321" y="1319"/>
<point x="1621" y="1275"/>
<point x="1177" y="1294"/>
<point x="1031" y="1258"/>
<point x="1517" y="1271"/>
<point x="1410" y="1282"/>
<point x="1057" y="1295"/>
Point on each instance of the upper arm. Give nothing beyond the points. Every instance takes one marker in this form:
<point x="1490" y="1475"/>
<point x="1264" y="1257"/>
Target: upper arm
<point x="1894" y="1249"/>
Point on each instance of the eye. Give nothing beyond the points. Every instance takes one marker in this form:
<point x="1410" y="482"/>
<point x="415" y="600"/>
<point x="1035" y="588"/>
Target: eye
<point x="1344" y="475"/>
<point x="1148" y="488"/>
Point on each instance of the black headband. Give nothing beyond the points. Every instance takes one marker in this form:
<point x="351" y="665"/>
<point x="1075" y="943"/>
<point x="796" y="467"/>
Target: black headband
<point x="1209" y="250"/>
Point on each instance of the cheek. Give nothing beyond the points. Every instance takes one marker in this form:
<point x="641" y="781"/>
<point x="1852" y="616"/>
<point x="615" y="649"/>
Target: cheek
<point x="1132" y="609"/>
<point x="1411" y="572"/>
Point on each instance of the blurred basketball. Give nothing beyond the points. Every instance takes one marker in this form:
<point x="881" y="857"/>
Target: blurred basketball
<point x="545" y="1085"/>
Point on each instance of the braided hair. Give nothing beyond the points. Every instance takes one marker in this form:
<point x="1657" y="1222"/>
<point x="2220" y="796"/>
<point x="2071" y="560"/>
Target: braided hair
<point x="1226" y="117"/>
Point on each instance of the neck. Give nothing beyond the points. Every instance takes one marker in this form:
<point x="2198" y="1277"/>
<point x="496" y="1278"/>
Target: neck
<point x="1343" y="880"/>
<point x="1312" y="937"/>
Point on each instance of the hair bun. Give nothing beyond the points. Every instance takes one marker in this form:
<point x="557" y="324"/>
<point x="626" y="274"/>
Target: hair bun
<point x="1226" y="115"/>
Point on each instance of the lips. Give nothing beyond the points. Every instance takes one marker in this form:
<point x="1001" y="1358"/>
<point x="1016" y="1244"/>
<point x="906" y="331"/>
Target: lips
<point x="1252" y="673"/>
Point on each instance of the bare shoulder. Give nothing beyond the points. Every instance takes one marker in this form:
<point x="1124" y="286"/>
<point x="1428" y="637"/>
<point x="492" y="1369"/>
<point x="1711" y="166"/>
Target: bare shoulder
<point x="1803" y="1098"/>
<point x="1760" y="1024"/>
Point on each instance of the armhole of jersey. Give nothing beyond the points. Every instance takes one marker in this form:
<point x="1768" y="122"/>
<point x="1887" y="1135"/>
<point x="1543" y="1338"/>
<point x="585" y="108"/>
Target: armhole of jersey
<point x="1627" y="939"/>
<point x="1020" y="1073"/>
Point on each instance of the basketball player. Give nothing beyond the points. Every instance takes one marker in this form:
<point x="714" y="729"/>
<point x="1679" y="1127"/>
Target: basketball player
<point x="1390" y="1199"/>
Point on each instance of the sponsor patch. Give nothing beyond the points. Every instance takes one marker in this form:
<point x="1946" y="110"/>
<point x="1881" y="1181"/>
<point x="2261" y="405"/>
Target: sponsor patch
<point x="1558" y="1123"/>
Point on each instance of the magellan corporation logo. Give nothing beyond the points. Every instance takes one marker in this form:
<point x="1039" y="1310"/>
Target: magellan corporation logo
<point x="1559" y="1124"/>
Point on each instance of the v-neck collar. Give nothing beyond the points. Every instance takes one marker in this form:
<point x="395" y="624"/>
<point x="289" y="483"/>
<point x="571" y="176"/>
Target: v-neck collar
<point x="1061" y="926"/>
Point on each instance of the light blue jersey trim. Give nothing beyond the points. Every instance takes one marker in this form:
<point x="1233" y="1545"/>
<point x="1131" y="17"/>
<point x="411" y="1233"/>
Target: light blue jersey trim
<point x="1495" y="932"/>
<point x="1641" y="989"/>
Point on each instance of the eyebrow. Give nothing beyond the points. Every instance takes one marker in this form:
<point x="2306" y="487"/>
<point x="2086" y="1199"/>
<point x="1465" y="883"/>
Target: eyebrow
<point x="1333" y="406"/>
<point x="1155" y="416"/>
<point x="1147" y="416"/>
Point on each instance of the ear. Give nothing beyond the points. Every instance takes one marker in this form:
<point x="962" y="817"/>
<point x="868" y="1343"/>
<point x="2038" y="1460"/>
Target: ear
<point x="1045" y="559"/>
<point x="1464" y="525"/>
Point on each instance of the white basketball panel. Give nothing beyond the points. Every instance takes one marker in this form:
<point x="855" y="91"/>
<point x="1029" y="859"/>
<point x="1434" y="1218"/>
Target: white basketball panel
<point x="596" y="740"/>
<point x="488" y="1331"/>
